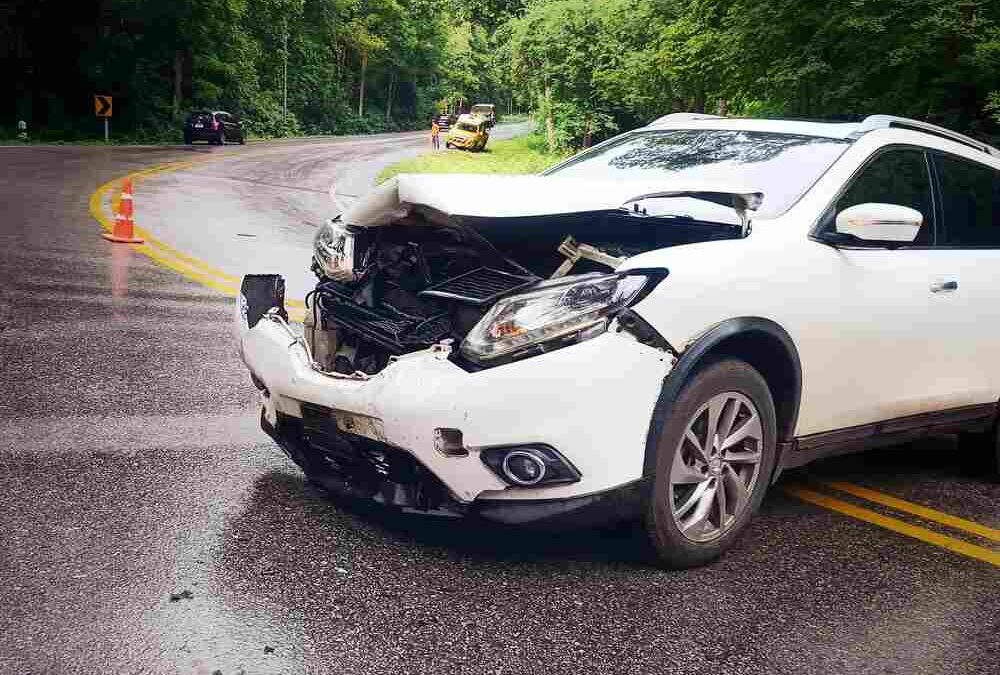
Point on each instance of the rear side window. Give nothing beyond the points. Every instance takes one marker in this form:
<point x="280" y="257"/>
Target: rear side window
<point x="970" y="202"/>
<point x="897" y="176"/>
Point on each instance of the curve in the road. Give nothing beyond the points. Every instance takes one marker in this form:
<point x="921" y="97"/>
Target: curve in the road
<point x="245" y="211"/>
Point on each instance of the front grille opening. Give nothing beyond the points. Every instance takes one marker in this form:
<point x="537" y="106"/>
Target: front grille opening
<point x="481" y="286"/>
<point x="371" y="469"/>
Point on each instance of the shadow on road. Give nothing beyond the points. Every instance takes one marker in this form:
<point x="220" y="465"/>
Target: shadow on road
<point x="940" y="457"/>
<point x="275" y="492"/>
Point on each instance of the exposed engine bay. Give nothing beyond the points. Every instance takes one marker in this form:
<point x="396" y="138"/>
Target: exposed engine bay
<point x="413" y="283"/>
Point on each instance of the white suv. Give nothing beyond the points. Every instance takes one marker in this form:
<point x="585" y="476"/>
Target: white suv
<point x="655" y="327"/>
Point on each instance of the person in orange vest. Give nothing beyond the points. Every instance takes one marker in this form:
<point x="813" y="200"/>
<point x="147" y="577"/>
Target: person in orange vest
<point x="435" y="134"/>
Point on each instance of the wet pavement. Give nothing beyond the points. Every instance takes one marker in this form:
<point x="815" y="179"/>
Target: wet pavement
<point x="148" y="526"/>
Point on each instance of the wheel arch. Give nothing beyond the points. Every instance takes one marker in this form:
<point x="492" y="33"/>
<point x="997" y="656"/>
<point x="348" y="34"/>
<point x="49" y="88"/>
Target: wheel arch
<point x="763" y="344"/>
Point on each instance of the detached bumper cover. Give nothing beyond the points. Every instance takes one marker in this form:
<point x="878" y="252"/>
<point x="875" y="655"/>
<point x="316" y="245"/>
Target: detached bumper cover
<point x="591" y="401"/>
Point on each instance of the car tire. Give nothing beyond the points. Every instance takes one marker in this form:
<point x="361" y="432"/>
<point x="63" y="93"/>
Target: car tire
<point x="221" y="140"/>
<point x="687" y="521"/>
<point x="243" y="139"/>
<point x="188" y="140"/>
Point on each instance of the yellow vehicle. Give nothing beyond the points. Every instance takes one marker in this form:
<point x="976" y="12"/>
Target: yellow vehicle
<point x="469" y="132"/>
<point x="486" y="110"/>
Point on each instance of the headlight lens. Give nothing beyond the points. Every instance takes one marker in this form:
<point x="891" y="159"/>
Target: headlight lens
<point x="333" y="251"/>
<point x="553" y="314"/>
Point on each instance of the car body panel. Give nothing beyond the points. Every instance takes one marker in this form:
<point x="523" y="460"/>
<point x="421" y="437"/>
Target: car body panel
<point x="572" y="399"/>
<point x="851" y="313"/>
<point x="480" y="196"/>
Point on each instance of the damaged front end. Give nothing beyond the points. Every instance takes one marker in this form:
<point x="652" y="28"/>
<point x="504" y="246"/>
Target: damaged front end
<point x="392" y="392"/>
<point x="404" y="269"/>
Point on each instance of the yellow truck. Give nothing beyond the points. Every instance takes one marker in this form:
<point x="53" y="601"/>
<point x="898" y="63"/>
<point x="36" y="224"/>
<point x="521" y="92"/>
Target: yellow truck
<point x="470" y="132"/>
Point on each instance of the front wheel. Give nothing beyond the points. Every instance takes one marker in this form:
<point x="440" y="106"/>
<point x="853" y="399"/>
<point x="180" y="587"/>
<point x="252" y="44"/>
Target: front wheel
<point x="715" y="457"/>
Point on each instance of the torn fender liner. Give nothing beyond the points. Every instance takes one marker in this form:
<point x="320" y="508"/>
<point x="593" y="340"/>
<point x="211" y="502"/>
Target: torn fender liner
<point x="490" y="196"/>
<point x="259" y="293"/>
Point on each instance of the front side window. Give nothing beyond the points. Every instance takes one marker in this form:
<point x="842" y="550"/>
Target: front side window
<point x="781" y="166"/>
<point x="897" y="176"/>
<point x="970" y="202"/>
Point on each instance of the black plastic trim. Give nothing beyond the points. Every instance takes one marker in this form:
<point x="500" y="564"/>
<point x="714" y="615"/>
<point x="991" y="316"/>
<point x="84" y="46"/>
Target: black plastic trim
<point x="692" y="357"/>
<point x="619" y="504"/>
<point x="805" y="449"/>
<point x="493" y="459"/>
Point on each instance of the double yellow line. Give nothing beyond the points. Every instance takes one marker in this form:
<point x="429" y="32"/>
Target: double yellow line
<point x="988" y="554"/>
<point x="162" y="253"/>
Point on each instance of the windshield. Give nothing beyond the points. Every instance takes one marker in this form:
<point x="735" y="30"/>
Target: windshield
<point x="782" y="166"/>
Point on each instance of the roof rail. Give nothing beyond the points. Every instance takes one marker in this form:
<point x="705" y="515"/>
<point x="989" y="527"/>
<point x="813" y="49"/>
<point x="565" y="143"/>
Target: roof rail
<point x="685" y="117"/>
<point x="873" y="122"/>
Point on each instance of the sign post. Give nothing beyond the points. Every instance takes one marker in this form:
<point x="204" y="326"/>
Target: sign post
<point x="102" y="108"/>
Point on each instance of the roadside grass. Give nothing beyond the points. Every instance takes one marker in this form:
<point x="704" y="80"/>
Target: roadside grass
<point x="525" y="154"/>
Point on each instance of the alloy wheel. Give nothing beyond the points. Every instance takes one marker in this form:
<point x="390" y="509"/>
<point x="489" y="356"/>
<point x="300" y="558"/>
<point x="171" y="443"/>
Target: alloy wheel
<point x="716" y="466"/>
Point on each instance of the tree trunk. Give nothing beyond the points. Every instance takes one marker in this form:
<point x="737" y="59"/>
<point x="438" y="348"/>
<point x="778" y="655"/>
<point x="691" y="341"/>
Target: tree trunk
<point x="699" y="99"/>
<point x="389" y="94"/>
<point x="587" y="135"/>
<point x="361" y="90"/>
<point x="178" y="81"/>
<point x="550" y="122"/>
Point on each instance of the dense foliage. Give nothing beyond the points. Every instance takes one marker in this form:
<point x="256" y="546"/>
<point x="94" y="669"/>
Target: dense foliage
<point x="597" y="65"/>
<point x="352" y="65"/>
<point x="587" y="67"/>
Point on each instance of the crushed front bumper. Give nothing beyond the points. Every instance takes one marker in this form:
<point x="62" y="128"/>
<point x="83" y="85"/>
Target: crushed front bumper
<point x="591" y="401"/>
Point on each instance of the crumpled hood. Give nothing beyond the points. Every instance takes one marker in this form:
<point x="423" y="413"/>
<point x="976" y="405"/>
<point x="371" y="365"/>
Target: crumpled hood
<point x="446" y="197"/>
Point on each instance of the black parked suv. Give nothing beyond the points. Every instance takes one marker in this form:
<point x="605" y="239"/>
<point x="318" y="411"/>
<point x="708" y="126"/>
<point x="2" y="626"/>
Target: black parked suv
<point x="215" y="127"/>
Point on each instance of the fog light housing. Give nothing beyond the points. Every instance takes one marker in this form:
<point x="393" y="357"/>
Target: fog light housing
<point x="530" y="465"/>
<point x="523" y="468"/>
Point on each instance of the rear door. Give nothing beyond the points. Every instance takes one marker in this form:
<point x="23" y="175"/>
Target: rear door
<point x="969" y="239"/>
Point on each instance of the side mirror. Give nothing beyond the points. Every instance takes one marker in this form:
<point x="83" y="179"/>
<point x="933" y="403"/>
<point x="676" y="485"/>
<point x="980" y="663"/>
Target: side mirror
<point x="880" y="222"/>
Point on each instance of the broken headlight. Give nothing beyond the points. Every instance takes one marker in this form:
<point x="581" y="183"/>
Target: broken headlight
<point x="333" y="251"/>
<point x="555" y="313"/>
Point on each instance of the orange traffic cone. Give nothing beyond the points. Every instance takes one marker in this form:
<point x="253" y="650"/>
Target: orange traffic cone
<point x="123" y="232"/>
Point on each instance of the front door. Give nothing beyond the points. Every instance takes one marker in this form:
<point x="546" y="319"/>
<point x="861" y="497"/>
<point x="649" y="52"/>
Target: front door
<point x="894" y="354"/>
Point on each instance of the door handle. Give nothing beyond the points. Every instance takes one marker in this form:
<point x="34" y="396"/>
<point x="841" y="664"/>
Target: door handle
<point x="941" y="286"/>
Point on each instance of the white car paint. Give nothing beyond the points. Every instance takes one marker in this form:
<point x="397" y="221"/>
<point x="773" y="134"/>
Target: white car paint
<point x="477" y="195"/>
<point x="875" y="340"/>
<point x="880" y="222"/>
<point x="569" y="398"/>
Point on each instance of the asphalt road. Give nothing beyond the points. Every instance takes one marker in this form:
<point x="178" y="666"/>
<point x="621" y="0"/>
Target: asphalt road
<point x="147" y="526"/>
